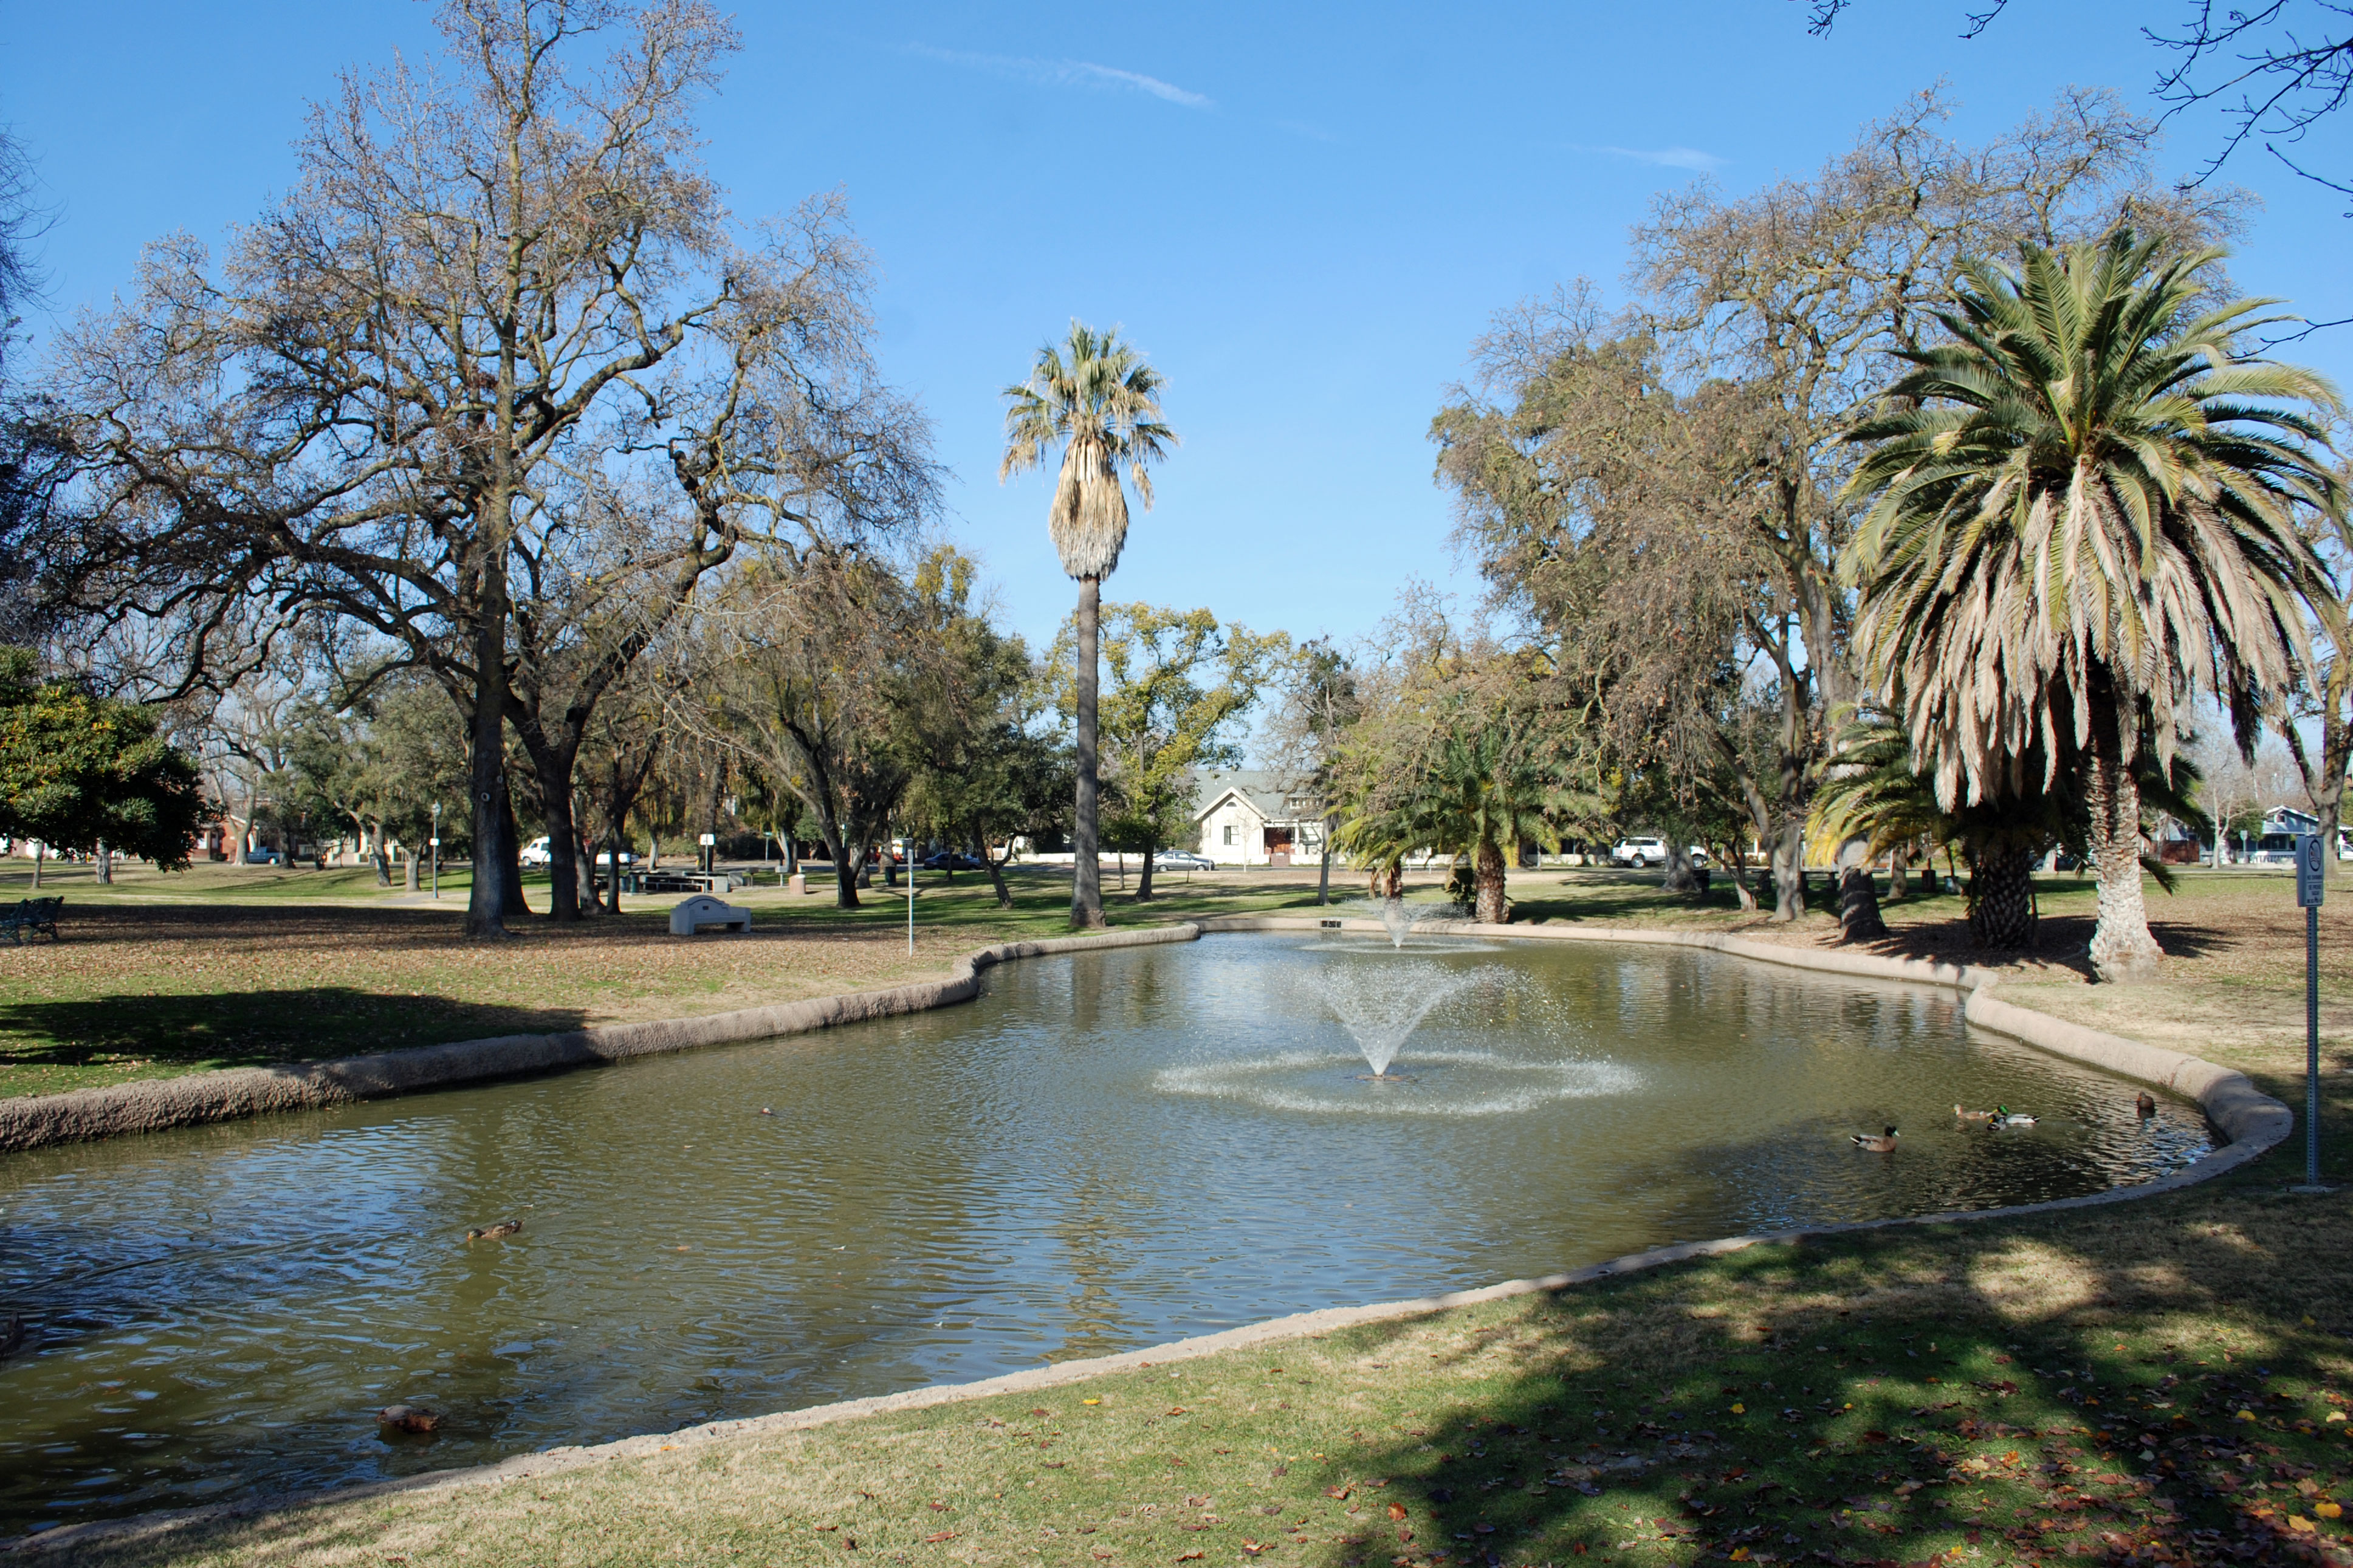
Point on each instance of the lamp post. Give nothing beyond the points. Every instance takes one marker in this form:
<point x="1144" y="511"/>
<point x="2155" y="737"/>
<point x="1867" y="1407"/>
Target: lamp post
<point x="437" y="848"/>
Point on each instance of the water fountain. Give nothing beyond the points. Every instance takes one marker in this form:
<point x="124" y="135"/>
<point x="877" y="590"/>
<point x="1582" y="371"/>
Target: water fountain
<point x="1380" y="1008"/>
<point x="1398" y="922"/>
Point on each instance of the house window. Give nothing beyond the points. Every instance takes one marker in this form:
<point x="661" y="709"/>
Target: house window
<point x="1229" y="833"/>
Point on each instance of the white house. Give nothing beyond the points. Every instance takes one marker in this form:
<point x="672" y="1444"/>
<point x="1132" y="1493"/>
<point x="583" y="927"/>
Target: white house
<point x="1248" y="817"/>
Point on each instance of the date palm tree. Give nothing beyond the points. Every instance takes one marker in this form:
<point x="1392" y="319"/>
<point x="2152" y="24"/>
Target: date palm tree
<point x="1099" y="399"/>
<point x="2083" y="510"/>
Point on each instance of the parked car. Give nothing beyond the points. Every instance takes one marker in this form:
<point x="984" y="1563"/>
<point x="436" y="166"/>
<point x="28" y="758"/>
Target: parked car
<point x="262" y="857"/>
<point x="952" y="860"/>
<point x="1183" y="860"/>
<point x="605" y="858"/>
<point x="539" y="854"/>
<point x="1640" y="853"/>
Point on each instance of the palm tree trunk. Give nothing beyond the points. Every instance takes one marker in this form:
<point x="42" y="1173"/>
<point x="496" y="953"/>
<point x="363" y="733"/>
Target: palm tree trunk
<point x="1858" y="916"/>
<point x="2001" y="896"/>
<point x="1489" y="874"/>
<point x="2122" y="947"/>
<point x="1086" y="875"/>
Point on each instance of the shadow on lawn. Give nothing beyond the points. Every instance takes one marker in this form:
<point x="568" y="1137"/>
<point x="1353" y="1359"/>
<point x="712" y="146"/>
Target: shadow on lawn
<point x="2140" y="1383"/>
<point x="252" y="1028"/>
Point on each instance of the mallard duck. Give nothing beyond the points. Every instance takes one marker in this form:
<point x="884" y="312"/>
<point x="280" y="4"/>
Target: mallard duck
<point x="2004" y="1116"/>
<point x="493" y="1232"/>
<point x="766" y="1111"/>
<point x="1972" y="1115"/>
<point x="2146" y="1105"/>
<point x="1877" y="1143"/>
<point x="409" y="1418"/>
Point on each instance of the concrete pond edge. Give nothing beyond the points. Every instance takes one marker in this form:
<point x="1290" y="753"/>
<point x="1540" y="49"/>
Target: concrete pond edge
<point x="2252" y="1123"/>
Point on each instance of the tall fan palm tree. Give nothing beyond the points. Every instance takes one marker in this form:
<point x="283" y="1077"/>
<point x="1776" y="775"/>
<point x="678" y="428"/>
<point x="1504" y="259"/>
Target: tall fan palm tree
<point x="1099" y="399"/>
<point x="2085" y="511"/>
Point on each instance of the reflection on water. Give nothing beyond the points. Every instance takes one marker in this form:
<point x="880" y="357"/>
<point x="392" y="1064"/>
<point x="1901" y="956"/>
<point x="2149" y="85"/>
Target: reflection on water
<point x="1106" y="1151"/>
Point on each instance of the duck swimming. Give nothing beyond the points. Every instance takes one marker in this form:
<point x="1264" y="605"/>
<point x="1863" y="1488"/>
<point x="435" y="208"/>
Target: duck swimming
<point x="2004" y="1116"/>
<point x="2146" y="1105"/>
<point x="493" y="1232"/>
<point x="1877" y="1143"/>
<point x="1972" y="1115"/>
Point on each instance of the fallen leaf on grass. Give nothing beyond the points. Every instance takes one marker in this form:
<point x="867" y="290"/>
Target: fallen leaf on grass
<point x="939" y="1535"/>
<point x="1189" y="1556"/>
<point x="1397" y="1510"/>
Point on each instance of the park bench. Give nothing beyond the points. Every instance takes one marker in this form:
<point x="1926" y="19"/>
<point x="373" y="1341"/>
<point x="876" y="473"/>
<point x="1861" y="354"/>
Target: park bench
<point x="32" y="915"/>
<point x="701" y="911"/>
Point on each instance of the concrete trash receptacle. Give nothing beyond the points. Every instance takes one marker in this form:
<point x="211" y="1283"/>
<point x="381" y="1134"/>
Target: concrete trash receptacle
<point x="702" y="910"/>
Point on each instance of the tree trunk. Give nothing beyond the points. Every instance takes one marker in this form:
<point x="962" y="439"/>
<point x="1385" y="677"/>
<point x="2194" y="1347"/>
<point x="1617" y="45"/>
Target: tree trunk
<point x="1144" y="878"/>
<point x="613" y="870"/>
<point x="583" y="886"/>
<point x="1789" y="870"/>
<point x="2001" y="896"/>
<point x="1679" y="877"/>
<point x="996" y="871"/>
<point x="102" y="866"/>
<point x="409" y="868"/>
<point x="515" y="908"/>
<point x="2121" y="948"/>
<point x="1858" y="917"/>
<point x="1324" y="875"/>
<point x="1490" y="873"/>
<point x="554" y="765"/>
<point x="40" y="850"/>
<point x="487" y="900"/>
<point x="1899" y="888"/>
<point x="1086" y="874"/>
<point x="376" y="853"/>
<point x="845" y="869"/>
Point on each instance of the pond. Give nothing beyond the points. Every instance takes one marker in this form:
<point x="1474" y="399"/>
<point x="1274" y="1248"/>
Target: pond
<point x="1106" y="1150"/>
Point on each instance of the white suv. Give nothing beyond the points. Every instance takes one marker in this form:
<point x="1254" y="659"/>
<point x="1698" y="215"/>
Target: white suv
<point x="538" y="853"/>
<point x="1642" y="852"/>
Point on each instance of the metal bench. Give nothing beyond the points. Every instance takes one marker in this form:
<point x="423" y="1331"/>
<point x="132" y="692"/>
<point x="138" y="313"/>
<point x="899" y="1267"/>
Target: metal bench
<point x="701" y="911"/>
<point x="32" y="915"/>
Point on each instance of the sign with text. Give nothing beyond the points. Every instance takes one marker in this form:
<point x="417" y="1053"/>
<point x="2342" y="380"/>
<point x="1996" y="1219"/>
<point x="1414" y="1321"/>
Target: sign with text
<point x="2311" y="871"/>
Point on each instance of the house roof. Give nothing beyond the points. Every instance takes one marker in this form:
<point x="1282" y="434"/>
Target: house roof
<point x="1262" y="789"/>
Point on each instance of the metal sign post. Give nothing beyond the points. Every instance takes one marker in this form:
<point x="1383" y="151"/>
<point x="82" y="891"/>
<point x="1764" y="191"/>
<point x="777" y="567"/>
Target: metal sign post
<point x="2311" y="887"/>
<point x="911" y="898"/>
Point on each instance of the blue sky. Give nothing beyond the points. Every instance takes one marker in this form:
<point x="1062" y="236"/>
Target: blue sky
<point x="1304" y="214"/>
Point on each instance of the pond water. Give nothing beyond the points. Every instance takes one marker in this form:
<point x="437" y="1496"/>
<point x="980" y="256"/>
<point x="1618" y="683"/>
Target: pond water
<point x="1106" y="1150"/>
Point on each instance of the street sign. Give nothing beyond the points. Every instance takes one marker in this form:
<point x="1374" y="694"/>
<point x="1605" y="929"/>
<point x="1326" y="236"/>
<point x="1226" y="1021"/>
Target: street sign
<point x="709" y="839"/>
<point x="2310" y="888"/>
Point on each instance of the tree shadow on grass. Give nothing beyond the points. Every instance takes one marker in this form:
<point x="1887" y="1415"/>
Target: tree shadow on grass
<point x="250" y="1028"/>
<point x="2146" y="1382"/>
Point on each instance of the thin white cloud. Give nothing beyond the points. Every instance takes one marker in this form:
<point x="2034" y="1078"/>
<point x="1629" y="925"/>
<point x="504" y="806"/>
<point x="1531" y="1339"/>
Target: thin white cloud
<point x="1066" y="73"/>
<point x="1669" y="157"/>
<point x="1301" y="128"/>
